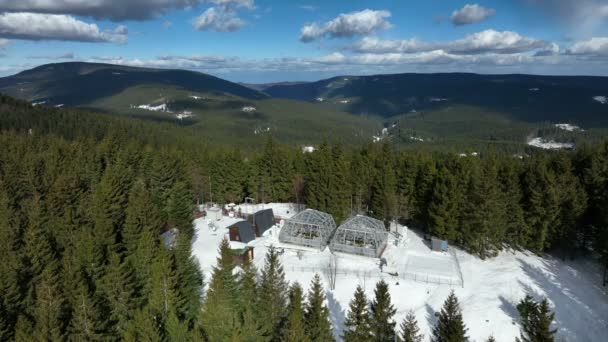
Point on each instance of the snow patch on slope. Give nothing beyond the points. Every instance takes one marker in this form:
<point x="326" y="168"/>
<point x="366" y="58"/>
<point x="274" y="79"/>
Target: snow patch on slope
<point x="549" y="144"/>
<point x="601" y="99"/>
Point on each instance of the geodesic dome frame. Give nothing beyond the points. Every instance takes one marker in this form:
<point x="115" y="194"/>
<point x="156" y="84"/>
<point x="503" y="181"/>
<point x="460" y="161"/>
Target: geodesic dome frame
<point x="309" y="228"/>
<point x="360" y="235"/>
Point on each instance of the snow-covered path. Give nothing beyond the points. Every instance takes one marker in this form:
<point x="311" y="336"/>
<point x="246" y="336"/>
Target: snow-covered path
<point x="491" y="289"/>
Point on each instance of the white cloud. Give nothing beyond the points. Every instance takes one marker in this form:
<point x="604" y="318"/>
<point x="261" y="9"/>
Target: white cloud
<point x="505" y="42"/>
<point x="223" y="16"/>
<point x="248" y="4"/>
<point x="470" y="14"/>
<point x="219" y="20"/>
<point x="115" y="10"/>
<point x="34" y="26"/>
<point x="488" y="41"/>
<point x="347" y="25"/>
<point x="376" y="45"/>
<point x="596" y="46"/>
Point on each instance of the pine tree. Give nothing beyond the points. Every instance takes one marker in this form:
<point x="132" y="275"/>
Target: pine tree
<point x="49" y="311"/>
<point x="86" y="323"/>
<point x="491" y="339"/>
<point x="450" y="327"/>
<point x="443" y="211"/>
<point x="143" y="327"/>
<point x="189" y="280"/>
<point x="318" y="326"/>
<point x="179" y="209"/>
<point x="536" y="320"/>
<point x="382" y="313"/>
<point x="250" y="325"/>
<point x="357" y="326"/>
<point x="220" y="315"/>
<point x="272" y="298"/>
<point x="339" y="200"/>
<point x="141" y="216"/>
<point x="119" y="290"/>
<point x="410" y="332"/>
<point x="295" y="330"/>
<point x="383" y="202"/>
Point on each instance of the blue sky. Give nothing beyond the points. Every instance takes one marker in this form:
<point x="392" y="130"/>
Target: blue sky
<point x="278" y="40"/>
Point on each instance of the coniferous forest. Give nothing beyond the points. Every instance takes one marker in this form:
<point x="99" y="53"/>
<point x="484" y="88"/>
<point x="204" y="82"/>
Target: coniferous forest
<point x="84" y="198"/>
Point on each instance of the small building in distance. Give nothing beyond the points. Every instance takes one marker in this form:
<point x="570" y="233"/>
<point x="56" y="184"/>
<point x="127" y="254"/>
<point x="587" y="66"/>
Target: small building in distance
<point x="360" y="235"/>
<point x="308" y="228"/>
<point x="214" y="213"/>
<point x="261" y="221"/>
<point x="241" y="231"/>
<point x="439" y="245"/>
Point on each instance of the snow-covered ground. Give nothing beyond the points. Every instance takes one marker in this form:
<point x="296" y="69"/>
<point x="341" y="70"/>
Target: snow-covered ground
<point x="158" y="108"/>
<point x="488" y="297"/>
<point x="248" y="109"/>
<point x="601" y="99"/>
<point x="549" y="144"/>
<point x="568" y="127"/>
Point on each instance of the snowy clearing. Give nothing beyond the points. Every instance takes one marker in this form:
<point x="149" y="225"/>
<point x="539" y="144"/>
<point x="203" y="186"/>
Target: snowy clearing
<point x="549" y="145"/>
<point x="308" y="149"/>
<point x="248" y="109"/>
<point x="568" y="127"/>
<point x="158" y="108"/>
<point x="491" y="288"/>
<point x="601" y="99"/>
<point x="183" y="115"/>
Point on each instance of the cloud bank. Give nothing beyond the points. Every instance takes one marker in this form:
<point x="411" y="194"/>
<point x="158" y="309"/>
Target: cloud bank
<point x="347" y="25"/>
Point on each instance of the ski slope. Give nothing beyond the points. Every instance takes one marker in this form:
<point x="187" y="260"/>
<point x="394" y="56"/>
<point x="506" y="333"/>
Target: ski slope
<point x="491" y="288"/>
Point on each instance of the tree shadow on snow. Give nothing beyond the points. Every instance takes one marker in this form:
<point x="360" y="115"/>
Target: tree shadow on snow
<point x="430" y="316"/>
<point x="336" y="314"/>
<point x="578" y="310"/>
<point x="509" y="308"/>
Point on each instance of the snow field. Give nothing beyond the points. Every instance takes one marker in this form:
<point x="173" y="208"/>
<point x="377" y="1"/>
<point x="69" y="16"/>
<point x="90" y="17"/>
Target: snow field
<point x="492" y="288"/>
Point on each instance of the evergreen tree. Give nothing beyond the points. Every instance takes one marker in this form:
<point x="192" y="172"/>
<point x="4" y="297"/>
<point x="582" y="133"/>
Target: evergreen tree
<point x="49" y="311"/>
<point x="220" y="309"/>
<point x="179" y="209"/>
<point x="357" y="326"/>
<point x="382" y="313"/>
<point x="383" y="202"/>
<point x="410" y="332"/>
<point x="143" y="327"/>
<point x="450" y="327"/>
<point x="443" y="211"/>
<point x="119" y="290"/>
<point x="272" y="298"/>
<point x="251" y="328"/>
<point x="141" y="216"/>
<point x="86" y="323"/>
<point x="295" y="330"/>
<point x="536" y="320"/>
<point x="318" y="326"/>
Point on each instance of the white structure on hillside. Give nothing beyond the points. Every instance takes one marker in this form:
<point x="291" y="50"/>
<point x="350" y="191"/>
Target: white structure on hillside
<point x="308" y="228"/>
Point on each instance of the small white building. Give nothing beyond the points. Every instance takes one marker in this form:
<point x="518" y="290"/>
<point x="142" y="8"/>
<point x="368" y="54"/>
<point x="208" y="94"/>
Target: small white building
<point x="214" y="213"/>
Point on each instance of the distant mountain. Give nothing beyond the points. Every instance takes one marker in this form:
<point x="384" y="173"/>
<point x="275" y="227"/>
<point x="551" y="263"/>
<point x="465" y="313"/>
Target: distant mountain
<point x="523" y="97"/>
<point x="264" y="86"/>
<point x="79" y="84"/>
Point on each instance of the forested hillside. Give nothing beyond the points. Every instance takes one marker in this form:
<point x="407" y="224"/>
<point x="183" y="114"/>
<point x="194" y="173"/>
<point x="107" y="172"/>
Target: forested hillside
<point x="84" y="198"/>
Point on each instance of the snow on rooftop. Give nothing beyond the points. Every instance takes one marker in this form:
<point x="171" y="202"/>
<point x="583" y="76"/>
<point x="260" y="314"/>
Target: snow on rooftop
<point x="34" y="104"/>
<point x="601" y="99"/>
<point x="534" y="89"/>
<point x="195" y="97"/>
<point x="492" y="288"/>
<point x="308" y="149"/>
<point x="248" y="109"/>
<point x="344" y="101"/>
<point x="568" y="127"/>
<point x="320" y="99"/>
<point x="549" y="144"/>
<point x="59" y="105"/>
